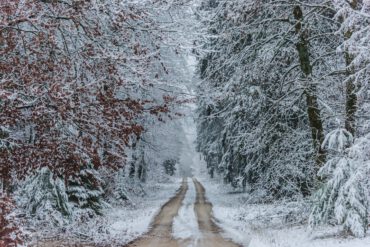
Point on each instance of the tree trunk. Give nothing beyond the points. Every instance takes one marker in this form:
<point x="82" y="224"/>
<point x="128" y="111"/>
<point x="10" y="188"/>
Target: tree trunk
<point x="4" y="169"/>
<point x="313" y="111"/>
<point x="351" y="97"/>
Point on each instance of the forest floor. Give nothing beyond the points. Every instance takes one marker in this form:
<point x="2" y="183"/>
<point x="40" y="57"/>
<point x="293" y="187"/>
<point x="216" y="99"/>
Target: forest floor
<point x="118" y="225"/>
<point x="277" y="224"/>
<point x="188" y="219"/>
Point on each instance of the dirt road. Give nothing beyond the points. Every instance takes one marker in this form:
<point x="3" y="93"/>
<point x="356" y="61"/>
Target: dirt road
<point x="161" y="228"/>
<point x="210" y="231"/>
<point x="160" y="234"/>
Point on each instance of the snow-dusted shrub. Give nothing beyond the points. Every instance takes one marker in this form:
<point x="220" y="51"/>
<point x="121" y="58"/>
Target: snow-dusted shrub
<point x="115" y="188"/>
<point x="342" y="199"/>
<point x="44" y="197"/>
<point x="85" y="191"/>
<point x="50" y="200"/>
<point x="170" y="166"/>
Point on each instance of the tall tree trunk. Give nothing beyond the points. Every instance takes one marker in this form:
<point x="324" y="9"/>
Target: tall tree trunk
<point x="4" y="169"/>
<point x="313" y="111"/>
<point x="351" y="97"/>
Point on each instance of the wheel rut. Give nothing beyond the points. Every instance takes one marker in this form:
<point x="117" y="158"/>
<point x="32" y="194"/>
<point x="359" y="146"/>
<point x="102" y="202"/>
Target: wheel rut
<point x="160" y="233"/>
<point x="210" y="231"/>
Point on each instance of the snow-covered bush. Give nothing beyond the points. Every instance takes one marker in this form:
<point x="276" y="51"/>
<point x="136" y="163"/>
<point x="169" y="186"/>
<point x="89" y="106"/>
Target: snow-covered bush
<point x="44" y="198"/>
<point x="170" y="166"/>
<point x="85" y="192"/>
<point x="342" y="198"/>
<point x="116" y="190"/>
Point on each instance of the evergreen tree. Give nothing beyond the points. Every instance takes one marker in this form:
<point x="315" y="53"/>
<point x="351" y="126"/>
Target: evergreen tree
<point x="44" y="197"/>
<point x="343" y="198"/>
<point x="170" y="167"/>
<point x="85" y="191"/>
<point x="263" y="69"/>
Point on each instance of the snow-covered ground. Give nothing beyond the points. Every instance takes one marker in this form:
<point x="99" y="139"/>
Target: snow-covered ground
<point x="118" y="225"/>
<point x="128" y="223"/>
<point x="270" y="225"/>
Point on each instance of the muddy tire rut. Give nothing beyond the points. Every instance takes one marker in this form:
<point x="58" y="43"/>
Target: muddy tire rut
<point x="160" y="233"/>
<point x="210" y="231"/>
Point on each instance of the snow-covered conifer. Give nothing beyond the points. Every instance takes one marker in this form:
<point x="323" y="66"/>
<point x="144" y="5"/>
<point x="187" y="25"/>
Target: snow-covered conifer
<point x="343" y="196"/>
<point x="44" y="197"/>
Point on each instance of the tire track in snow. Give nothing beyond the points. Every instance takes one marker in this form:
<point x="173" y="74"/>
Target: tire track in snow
<point x="185" y="224"/>
<point x="182" y="223"/>
<point x="211" y="233"/>
<point x="160" y="233"/>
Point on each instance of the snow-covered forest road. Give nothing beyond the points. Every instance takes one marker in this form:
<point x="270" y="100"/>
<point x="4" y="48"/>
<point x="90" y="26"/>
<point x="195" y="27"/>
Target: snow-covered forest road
<point x="184" y="123"/>
<point x="160" y="233"/>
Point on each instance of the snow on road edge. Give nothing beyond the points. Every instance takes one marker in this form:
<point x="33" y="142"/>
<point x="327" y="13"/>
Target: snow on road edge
<point x="128" y="224"/>
<point x="224" y="215"/>
<point x="257" y="225"/>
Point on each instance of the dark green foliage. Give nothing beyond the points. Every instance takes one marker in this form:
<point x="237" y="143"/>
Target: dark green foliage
<point x="85" y="191"/>
<point x="170" y="167"/>
<point x="45" y="198"/>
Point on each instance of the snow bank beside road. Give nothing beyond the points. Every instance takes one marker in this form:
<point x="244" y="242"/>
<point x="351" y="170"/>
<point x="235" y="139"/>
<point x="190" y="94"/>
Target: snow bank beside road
<point x="126" y="224"/>
<point x="270" y="225"/>
<point x="300" y="236"/>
